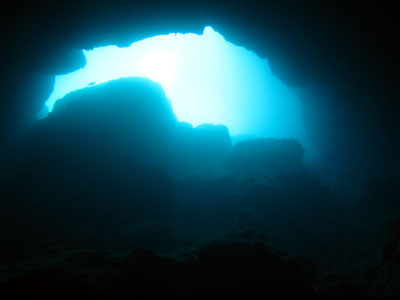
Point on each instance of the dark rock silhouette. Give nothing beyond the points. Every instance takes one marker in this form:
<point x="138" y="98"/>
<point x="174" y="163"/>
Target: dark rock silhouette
<point x="387" y="273"/>
<point x="102" y="161"/>
<point x="346" y="49"/>
<point x="265" y="176"/>
<point x="111" y="171"/>
<point x="228" y="267"/>
<point x="127" y="115"/>
<point x="197" y="147"/>
<point x="93" y="162"/>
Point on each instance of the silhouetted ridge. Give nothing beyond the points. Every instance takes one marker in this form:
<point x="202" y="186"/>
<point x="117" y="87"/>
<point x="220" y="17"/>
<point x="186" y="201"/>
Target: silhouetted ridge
<point x="102" y="160"/>
<point x="95" y="162"/>
<point x="199" y="146"/>
<point x="227" y="267"/>
<point x="345" y="51"/>
<point x="112" y="169"/>
<point x="128" y="115"/>
<point x="265" y="178"/>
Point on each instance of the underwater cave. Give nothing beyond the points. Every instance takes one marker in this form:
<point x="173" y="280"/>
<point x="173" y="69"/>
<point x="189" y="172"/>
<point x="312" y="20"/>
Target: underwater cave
<point x="207" y="79"/>
<point x="199" y="150"/>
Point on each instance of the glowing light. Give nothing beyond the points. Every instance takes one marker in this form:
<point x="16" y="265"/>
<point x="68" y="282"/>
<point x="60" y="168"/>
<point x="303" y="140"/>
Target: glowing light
<point x="159" y="66"/>
<point x="207" y="79"/>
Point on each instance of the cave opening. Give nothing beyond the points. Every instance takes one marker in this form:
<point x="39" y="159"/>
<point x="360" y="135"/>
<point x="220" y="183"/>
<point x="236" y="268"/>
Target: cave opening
<point x="207" y="79"/>
<point x="167" y="167"/>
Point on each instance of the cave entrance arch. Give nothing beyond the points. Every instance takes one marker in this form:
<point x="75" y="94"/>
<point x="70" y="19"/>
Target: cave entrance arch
<point x="207" y="79"/>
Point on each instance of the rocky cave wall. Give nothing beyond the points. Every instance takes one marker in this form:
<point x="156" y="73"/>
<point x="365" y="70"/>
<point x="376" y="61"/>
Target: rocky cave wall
<point x="345" y="49"/>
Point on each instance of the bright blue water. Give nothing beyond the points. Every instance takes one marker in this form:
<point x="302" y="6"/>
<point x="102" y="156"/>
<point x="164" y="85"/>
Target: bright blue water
<point x="208" y="80"/>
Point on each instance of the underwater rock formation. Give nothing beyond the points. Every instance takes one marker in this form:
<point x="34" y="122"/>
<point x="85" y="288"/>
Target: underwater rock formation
<point x="102" y="160"/>
<point x="387" y="275"/>
<point x="228" y="267"/>
<point x="111" y="171"/>
<point x="267" y="154"/>
<point x="91" y="162"/>
<point x="197" y="147"/>
<point x="128" y="115"/>
<point x="261" y="175"/>
<point x="346" y="48"/>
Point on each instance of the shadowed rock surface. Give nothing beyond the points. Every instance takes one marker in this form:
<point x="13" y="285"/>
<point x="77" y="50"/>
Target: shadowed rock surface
<point x="102" y="161"/>
<point x="347" y="51"/>
<point x="228" y="267"/>
<point x="112" y="172"/>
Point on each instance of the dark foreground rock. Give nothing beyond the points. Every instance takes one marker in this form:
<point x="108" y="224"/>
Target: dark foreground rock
<point x="102" y="160"/>
<point x="111" y="171"/>
<point x="267" y="178"/>
<point x="225" y="268"/>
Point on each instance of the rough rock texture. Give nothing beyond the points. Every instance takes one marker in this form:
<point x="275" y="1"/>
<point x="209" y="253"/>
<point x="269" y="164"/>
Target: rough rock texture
<point x="229" y="267"/>
<point x="346" y="49"/>
<point x="93" y="163"/>
<point x="266" y="178"/>
<point x="102" y="161"/>
<point x="387" y="277"/>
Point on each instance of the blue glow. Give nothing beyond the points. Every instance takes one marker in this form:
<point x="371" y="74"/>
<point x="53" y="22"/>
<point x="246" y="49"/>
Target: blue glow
<point x="208" y="80"/>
